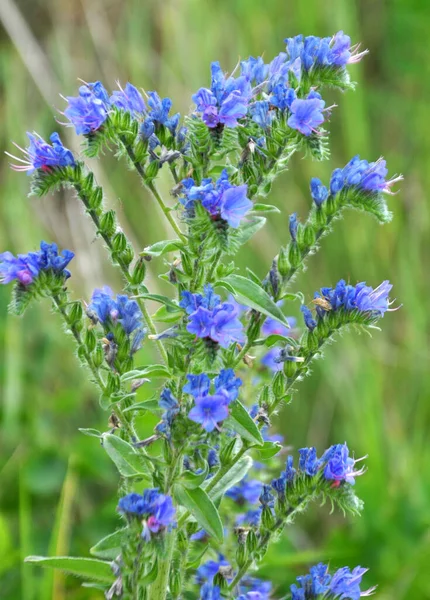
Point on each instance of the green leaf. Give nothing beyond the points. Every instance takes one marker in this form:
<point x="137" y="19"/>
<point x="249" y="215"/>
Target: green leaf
<point x="109" y="546"/>
<point x="151" y="405"/>
<point x="274" y="338"/>
<point x="269" y="449"/>
<point x="151" y="576"/>
<point x="235" y="474"/>
<point x="192" y="480"/>
<point x="243" y="424"/>
<point x="164" y="315"/>
<point x="248" y="229"/>
<point x="128" y="462"/>
<point x="87" y="568"/>
<point x="150" y="370"/>
<point x="170" y="305"/>
<point x="202" y="508"/>
<point x="91" y="432"/>
<point x="267" y="208"/>
<point x="160" y="248"/>
<point x="255" y="278"/>
<point x="249" y="293"/>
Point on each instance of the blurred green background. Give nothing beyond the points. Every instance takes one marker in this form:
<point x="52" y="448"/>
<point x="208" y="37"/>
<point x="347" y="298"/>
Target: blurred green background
<point x="57" y="492"/>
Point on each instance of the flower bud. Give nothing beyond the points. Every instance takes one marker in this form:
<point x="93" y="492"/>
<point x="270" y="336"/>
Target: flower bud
<point x="254" y="326"/>
<point x="320" y="218"/>
<point x="151" y="171"/>
<point x="279" y="385"/>
<point x="75" y="312"/>
<point x="294" y="255"/>
<point x="139" y="272"/>
<point x="113" y="383"/>
<point x="175" y="583"/>
<point x="95" y="199"/>
<point x="309" y="236"/>
<point x="241" y="555"/>
<point x="226" y="453"/>
<point x="119" y="242"/>
<point x="127" y="255"/>
<point x="290" y="368"/>
<point x="108" y="223"/>
<point x="283" y="262"/>
<point x="98" y="356"/>
<point x="251" y="542"/>
<point x="90" y="340"/>
<point x="330" y="206"/>
<point x="267" y="518"/>
<point x="186" y="264"/>
<point x="312" y="341"/>
<point x="221" y="582"/>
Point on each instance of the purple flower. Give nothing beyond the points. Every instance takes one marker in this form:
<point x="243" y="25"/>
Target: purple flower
<point x="110" y="311"/>
<point x="339" y="466"/>
<point x="308" y="462"/>
<point x="345" y="584"/>
<point x="369" y="177"/>
<point x="221" y="199"/>
<point x="197" y="386"/>
<point x="282" y="96"/>
<point x="293" y="226"/>
<point x="208" y="570"/>
<point x="308" y="317"/>
<point x="261" y="114"/>
<point x="88" y="111"/>
<point x="156" y="509"/>
<point x="313" y="585"/>
<point x="227" y="384"/>
<point x="209" y="411"/>
<point x="306" y="115"/>
<point x="254" y="70"/>
<point x="129" y="100"/>
<point x="226" y="101"/>
<point x="256" y="589"/>
<point x="318" y="191"/>
<point x="26" y="267"/>
<point x="210" y="592"/>
<point x="219" y="322"/>
<point x="251" y="518"/>
<point x="41" y="155"/>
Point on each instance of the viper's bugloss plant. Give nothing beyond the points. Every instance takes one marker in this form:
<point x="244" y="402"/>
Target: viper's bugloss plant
<point x="203" y="497"/>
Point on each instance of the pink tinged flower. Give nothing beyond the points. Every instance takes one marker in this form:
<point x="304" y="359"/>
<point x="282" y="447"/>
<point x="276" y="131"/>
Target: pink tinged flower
<point x="306" y="115"/>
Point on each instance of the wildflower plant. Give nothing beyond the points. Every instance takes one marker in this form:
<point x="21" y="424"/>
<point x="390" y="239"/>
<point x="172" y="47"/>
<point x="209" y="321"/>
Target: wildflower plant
<point x="204" y="496"/>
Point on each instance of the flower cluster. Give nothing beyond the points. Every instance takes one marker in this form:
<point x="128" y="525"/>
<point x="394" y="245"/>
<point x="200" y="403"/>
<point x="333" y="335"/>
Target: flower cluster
<point x="212" y="409"/>
<point x="89" y="111"/>
<point x="211" y="319"/>
<point x="369" y="177"/>
<point x="312" y="51"/>
<point x="274" y="359"/>
<point x="318" y="583"/>
<point x="335" y="466"/>
<point x="156" y="511"/>
<point x="226" y="101"/>
<point x="361" y="297"/>
<point x="41" y="155"/>
<point x="221" y="199"/>
<point x="112" y="312"/>
<point x="25" y="268"/>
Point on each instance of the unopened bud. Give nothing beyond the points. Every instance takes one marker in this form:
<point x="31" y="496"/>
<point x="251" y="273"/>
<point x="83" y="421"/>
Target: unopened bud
<point x="226" y="453"/>
<point x="290" y="368"/>
<point x="75" y="312"/>
<point x="152" y="171"/>
<point x="139" y="271"/>
<point x="119" y="242"/>
<point x="108" y="223"/>
<point x="309" y="236"/>
<point x="267" y="518"/>
<point x="90" y="340"/>
<point x="283" y="262"/>
<point x="251" y="542"/>
<point x="279" y="385"/>
<point x="294" y="255"/>
<point x="241" y="555"/>
<point x="98" y="356"/>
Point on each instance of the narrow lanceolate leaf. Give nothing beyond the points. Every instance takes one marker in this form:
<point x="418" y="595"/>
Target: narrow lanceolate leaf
<point x="151" y="576"/>
<point x="235" y="474"/>
<point x="110" y="546"/>
<point x="269" y="449"/>
<point x="192" y="480"/>
<point x="128" y="462"/>
<point x="149" y="371"/>
<point x="160" y="248"/>
<point x="249" y="293"/>
<point x="202" y="508"/>
<point x="249" y="228"/>
<point x="243" y="424"/>
<point x="86" y="568"/>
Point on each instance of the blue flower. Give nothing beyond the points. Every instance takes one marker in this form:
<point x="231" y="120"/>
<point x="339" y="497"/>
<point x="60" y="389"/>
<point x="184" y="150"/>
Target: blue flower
<point x="282" y="96"/>
<point x="256" y="589"/>
<point x="266" y="496"/>
<point x="169" y="403"/>
<point x="110" y="311"/>
<point x="254" y="70"/>
<point x="313" y="585"/>
<point x="251" y="518"/>
<point x="156" y="509"/>
<point x="88" y="111"/>
<point x="226" y="101"/>
<point x="339" y="466"/>
<point x="26" y="267"/>
<point x="248" y="490"/>
<point x="160" y="109"/>
<point x="308" y="462"/>
<point x="227" y="384"/>
<point x="345" y="584"/>
<point x="221" y="199"/>
<point x="209" y="411"/>
<point x="306" y="115"/>
<point x="219" y="322"/>
<point x="208" y="570"/>
<point x="293" y="226"/>
<point x="210" y="592"/>
<point x="261" y="114"/>
<point x="308" y="317"/>
<point x="197" y="386"/>
<point x="129" y="99"/>
<point x="369" y="177"/>
<point x="318" y="191"/>
<point x="41" y="155"/>
<point x="361" y="297"/>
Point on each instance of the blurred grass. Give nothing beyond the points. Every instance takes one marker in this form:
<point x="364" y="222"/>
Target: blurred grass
<point x="373" y="392"/>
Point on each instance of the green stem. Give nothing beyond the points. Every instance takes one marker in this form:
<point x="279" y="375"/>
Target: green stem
<point x="159" y="588"/>
<point x="122" y="265"/>
<point x="151" y="187"/>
